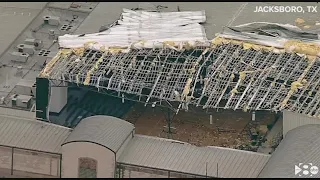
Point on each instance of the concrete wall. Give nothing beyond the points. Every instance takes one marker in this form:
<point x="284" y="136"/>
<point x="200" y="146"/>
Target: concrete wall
<point x="274" y="135"/>
<point x="59" y="97"/>
<point x="71" y="153"/>
<point x="28" y="164"/>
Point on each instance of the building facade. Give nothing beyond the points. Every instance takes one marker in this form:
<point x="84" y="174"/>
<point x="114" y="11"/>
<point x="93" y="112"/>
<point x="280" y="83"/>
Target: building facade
<point x="107" y="147"/>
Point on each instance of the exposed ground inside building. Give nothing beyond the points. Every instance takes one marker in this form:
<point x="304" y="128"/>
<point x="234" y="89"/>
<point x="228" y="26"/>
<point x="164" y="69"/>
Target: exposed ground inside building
<point x="228" y="129"/>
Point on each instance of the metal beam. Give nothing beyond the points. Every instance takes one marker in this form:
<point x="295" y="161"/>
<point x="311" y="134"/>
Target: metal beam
<point x="296" y="103"/>
<point x="159" y="75"/>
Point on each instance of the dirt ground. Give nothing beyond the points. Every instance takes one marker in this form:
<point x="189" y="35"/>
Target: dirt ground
<point x="195" y="127"/>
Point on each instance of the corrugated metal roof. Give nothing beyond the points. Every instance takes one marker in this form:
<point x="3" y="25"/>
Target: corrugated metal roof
<point x="292" y="120"/>
<point x="165" y="154"/>
<point x="32" y="134"/>
<point x="107" y="131"/>
<point x="301" y="145"/>
<point x="17" y="113"/>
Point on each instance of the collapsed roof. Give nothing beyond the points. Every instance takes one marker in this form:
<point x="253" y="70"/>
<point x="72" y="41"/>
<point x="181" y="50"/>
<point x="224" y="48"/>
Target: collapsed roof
<point x="258" y="66"/>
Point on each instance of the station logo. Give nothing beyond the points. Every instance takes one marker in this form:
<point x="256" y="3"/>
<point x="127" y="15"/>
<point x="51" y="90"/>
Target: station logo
<point x="305" y="170"/>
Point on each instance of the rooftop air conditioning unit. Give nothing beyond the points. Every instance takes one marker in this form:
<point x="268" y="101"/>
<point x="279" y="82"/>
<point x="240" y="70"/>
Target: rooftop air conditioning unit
<point x="19" y="57"/>
<point x="13" y="101"/>
<point x="22" y="101"/>
<point x="25" y="87"/>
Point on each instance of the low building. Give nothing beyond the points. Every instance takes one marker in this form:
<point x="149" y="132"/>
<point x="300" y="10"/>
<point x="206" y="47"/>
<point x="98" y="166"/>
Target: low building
<point x="104" y="146"/>
<point x="296" y="154"/>
<point x="30" y="148"/>
<point x="107" y="147"/>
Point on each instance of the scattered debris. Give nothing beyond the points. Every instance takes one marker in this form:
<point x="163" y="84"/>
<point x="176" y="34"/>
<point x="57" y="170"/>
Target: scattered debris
<point x="73" y="5"/>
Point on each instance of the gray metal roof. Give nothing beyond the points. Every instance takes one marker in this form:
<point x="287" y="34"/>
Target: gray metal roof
<point x="164" y="154"/>
<point x="106" y="131"/>
<point x="301" y="145"/>
<point x="32" y="134"/>
<point x="17" y="113"/>
<point x="292" y="120"/>
<point x="14" y="17"/>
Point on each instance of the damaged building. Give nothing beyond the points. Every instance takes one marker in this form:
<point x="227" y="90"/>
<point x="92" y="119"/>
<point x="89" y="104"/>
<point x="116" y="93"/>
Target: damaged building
<point x="155" y="93"/>
<point x="258" y="66"/>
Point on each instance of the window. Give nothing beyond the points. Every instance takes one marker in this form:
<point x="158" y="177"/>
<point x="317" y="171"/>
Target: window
<point x="87" y="168"/>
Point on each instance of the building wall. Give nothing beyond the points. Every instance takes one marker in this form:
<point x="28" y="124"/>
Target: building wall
<point x="71" y="153"/>
<point x="58" y="97"/>
<point x="274" y="136"/>
<point x="293" y="120"/>
<point x="28" y="163"/>
<point x="134" y="171"/>
<point x="124" y="145"/>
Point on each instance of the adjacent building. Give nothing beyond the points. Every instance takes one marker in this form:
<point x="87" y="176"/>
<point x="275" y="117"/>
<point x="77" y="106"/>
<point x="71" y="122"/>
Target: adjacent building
<point x="104" y="146"/>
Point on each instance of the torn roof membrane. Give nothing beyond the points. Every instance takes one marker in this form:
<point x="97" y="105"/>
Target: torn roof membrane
<point x="277" y="30"/>
<point x="280" y="36"/>
<point x="149" y="29"/>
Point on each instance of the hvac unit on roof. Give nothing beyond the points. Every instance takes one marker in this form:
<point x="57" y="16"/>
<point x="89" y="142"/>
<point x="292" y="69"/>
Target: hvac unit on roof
<point x="13" y="100"/>
<point x="51" y="20"/>
<point x="19" y="71"/>
<point x="22" y="101"/>
<point x="25" y="48"/>
<point x="38" y="44"/>
<point x="52" y="34"/>
<point x="25" y="87"/>
<point x="19" y="57"/>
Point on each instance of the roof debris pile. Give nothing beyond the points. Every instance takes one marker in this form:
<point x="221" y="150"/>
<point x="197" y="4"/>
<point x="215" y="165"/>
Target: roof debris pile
<point x="257" y="66"/>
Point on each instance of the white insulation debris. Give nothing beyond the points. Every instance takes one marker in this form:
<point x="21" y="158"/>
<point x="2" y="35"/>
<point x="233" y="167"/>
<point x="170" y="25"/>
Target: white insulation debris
<point x="141" y="29"/>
